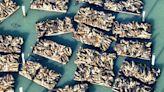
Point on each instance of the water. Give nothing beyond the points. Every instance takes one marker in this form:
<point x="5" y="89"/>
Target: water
<point x="17" y="25"/>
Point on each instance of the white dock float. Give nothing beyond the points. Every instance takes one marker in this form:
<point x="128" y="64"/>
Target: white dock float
<point x="23" y="10"/>
<point x="31" y="1"/>
<point x="153" y="60"/>
<point x="143" y="16"/>
<point x="20" y="89"/>
<point x="23" y="59"/>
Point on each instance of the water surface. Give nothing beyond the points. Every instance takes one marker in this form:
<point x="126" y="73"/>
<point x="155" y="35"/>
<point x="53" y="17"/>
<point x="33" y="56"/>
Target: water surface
<point x="17" y="25"/>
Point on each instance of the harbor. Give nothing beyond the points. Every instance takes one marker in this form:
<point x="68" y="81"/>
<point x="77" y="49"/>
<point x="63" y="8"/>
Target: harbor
<point x="26" y="29"/>
<point x="92" y="36"/>
<point x="7" y="83"/>
<point x="54" y="27"/>
<point x="135" y="77"/>
<point x="134" y="49"/>
<point x="95" y="18"/>
<point x="132" y="30"/>
<point x="77" y="87"/>
<point x="50" y="5"/>
<point x="95" y="67"/>
<point x="7" y="7"/>
<point x="52" y="50"/>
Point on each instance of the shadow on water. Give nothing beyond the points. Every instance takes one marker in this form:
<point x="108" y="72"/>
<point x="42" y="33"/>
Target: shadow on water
<point x="73" y="56"/>
<point x="134" y="18"/>
<point x="152" y="8"/>
<point x="86" y="46"/>
<point x="52" y="17"/>
<point x="19" y="2"/>
<point x="15" y="33"/>
<point x="70" y="82"/>
<point x="111" y="48"/>
<point x="69" y="4"/>
<point x="69" y="78"/>
<point x="75" y="6"/>
<point x="63" y="41"/>
<point x="45" y="90"/>
<point x="152" y="22"/>
<point x="91" y="88"/>
<point x="58" y="15"/>
<point x="155" y="37"/>
<point x="29" y="85"/>
<point x="160" y="66"/>
<point x="70" y="15"/>
<point x="162" y="90"/>
<point x="53" y="65"/>
<point x="15" y="76"/>
<point x="160" y="53"/>
<point x="117" y="65"/>
<point x="138" y="61"/>
<point x="129" y="18"/>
